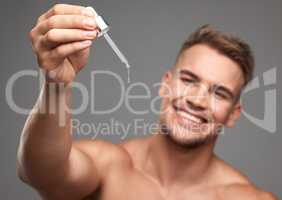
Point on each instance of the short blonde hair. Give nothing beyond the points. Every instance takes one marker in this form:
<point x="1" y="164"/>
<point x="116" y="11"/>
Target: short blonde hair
<point x="228" y="45"/>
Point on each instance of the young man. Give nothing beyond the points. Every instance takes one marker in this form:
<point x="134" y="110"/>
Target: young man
<point x="199" y="96"/>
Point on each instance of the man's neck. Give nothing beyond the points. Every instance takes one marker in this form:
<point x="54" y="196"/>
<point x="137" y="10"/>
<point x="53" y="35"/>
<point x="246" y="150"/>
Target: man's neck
<point x="170" y="163"/>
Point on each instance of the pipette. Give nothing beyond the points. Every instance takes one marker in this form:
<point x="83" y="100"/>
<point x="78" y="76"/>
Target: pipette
<point x="104" y="28"/>
<point x="118" y="53"/>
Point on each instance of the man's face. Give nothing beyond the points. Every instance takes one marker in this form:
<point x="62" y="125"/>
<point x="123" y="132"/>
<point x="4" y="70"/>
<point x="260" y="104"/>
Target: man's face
<point x="200" y="96"/>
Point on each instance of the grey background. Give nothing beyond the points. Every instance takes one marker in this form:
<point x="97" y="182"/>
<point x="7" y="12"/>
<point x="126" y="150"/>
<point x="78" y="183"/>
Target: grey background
<point x="149" y="33"/>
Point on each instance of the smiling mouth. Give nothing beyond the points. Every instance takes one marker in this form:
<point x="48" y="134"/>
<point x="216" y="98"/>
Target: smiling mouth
<point x="194" y="118"/>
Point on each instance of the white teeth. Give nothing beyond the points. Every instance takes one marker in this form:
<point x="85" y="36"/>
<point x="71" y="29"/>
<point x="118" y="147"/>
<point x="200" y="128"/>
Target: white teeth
<point x="189" y="117"/>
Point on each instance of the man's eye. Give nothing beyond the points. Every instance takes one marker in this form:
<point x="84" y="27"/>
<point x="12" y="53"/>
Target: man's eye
<point x="221" y="95"/>
<point x="188" y="80"/>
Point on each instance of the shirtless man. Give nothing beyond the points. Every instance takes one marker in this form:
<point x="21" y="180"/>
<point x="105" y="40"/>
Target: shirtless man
<point x="177" y="163"/>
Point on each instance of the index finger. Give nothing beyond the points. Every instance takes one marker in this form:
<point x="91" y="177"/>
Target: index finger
<point x="67" y="9"/>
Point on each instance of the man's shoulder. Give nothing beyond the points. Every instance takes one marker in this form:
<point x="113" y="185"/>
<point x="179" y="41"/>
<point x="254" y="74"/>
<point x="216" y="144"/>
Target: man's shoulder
<point x="122" y="152"/>
<point x="227" y="174"/>
<point x="244" y="191"/>
<point x="137" y="148"/>
<point x="237" y="185"/>
<point x="133" y="145"/>
<point x="103" y="152"/>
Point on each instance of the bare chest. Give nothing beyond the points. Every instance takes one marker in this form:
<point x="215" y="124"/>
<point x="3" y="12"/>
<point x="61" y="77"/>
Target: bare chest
<point x="138" y="187"/>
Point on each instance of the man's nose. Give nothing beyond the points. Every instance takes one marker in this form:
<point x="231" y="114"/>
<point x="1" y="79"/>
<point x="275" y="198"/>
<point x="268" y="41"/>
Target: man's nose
<point x="198" y="100"/>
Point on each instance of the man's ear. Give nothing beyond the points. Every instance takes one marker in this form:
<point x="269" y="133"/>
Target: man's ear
<point x="234" y="115"/>
<point x="164" y="87"/>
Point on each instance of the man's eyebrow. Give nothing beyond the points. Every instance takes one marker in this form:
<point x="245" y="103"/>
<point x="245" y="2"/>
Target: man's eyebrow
<point x="224" y="89"/>
<point x="216" y="86"/>
<point x="189" y="73"/>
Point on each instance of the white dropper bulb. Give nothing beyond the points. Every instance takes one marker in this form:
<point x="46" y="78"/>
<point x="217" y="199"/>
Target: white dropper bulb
<point x="104" y="28"/>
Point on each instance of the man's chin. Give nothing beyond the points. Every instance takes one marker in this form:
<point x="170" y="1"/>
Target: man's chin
<point x="188" y="142"/>
<point x="187" y="137"/>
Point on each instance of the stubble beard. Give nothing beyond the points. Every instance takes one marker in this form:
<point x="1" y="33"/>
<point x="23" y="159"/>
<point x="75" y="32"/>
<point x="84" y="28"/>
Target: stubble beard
<point x="173" y="134"/>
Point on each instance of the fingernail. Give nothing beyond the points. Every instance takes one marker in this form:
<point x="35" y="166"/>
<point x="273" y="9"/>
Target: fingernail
<point x="86" y="43"/>
<point x="89" y="22"/>
<point x="89" y="11"/>
<point x="90" y="33"/>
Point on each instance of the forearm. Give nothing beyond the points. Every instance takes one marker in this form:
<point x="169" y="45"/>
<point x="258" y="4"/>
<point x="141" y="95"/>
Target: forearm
<point x="46" y="138"/>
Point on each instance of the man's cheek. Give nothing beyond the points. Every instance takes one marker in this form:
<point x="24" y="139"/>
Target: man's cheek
<point x="165" y="105"/>
<point x="177" y="92"/>
<point x="220" y="116"/>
